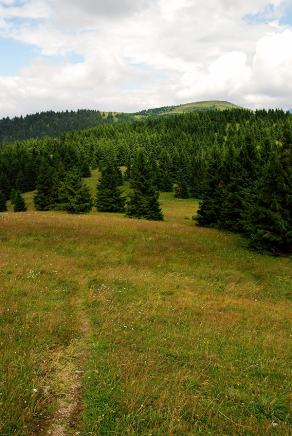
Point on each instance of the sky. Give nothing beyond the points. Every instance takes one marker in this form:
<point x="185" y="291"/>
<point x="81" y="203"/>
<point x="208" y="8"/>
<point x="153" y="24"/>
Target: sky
<point x="128" y="55"/>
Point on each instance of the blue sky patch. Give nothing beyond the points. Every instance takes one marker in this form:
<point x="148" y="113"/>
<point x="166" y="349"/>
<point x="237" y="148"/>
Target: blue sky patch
<point x="15" y="3"/>
<point x="19" y="21"/>
<point x="262" y="17"/>
<point x="15" y="55"/>
<point x="268" y="14"/>
<point x="287" y="17"/>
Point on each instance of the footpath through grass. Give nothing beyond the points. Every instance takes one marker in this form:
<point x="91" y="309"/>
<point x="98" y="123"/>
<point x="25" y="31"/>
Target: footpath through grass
<point x="172" y="329"/>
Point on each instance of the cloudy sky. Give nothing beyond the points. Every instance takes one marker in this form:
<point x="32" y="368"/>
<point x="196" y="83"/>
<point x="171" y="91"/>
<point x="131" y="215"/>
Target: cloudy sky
<point x="127" y="55"/>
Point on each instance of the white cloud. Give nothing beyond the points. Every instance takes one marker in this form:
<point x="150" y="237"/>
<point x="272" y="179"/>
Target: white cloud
<point x="140" y="53"/>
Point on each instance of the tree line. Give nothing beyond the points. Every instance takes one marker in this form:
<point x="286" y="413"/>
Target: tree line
<point x="53" y="124"/>
<point x="237" y="162"/>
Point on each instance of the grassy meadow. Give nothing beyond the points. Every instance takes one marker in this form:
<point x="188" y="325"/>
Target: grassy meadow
<point x="204" y="105"/>
<point x="112" y="326"/>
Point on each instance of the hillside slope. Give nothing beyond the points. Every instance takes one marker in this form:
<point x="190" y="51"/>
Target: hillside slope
<point x="118" y="326"/>
<point x="53" y="123"/>
<point x="204" y="105"/>
<point x="191" y="107"/>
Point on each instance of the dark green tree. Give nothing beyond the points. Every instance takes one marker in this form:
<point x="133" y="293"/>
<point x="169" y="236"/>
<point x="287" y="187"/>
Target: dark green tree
<point x="144" y="199"/>
<point x="74" y="196"/>
<point x="19" y="203"/>
<point x="210" y="207"/>
<point x="46" y="195"/>
<point x="108" y="197"/>
<point x="3" y="207"/>
<point x="85" y="169"/>
<point x="12" y="196"/>
<point x="267" y="213"/>
<point x="165" y="176"/>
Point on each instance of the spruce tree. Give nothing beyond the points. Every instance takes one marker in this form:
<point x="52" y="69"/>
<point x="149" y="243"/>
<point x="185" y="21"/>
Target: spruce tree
<point x="210" y="207"/>
<point x="3" y="207"/>
<point x="108" y="197"/>
<point x="144" y="199"/>
<point x="46" y="188"/>
<point x="240" y="171"/>
<point x="198" y="175"/>
<point x="19" y="203"/>
<point x="267" y="213"/>
<point x="165" y="177"/>
<point x="74" y="196"/>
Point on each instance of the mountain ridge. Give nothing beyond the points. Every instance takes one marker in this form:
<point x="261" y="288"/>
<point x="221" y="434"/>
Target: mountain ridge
<point x="55" y="123"/>
<point x="203" y="105"/>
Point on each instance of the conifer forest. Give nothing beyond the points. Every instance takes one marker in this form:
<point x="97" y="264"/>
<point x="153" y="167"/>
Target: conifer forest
<point x="238" y="163"/>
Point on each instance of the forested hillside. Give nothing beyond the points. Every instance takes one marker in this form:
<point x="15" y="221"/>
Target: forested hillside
<point x="52" y="123"/>
<point x="55" y="123"/>
<point x="238" y="162"/>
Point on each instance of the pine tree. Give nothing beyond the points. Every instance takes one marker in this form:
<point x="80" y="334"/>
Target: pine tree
<point x="165" y="177"/>
<point x="144" y="199"/>
<point x="3" y="207"/>
<point x="108" y="197"/>
<point x="210" y="207"/>
<point x="198" y="175"/>
<point x="19" y="203"/>
<point x="74" y="196"/>
<point x="241" y="166"/>
<point x="267" y="215"/>
<point x="46" y="188"/>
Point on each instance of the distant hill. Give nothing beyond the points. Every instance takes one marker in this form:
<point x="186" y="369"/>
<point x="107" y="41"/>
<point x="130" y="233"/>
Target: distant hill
<point x="53" y="123"/>
<point x="205" y="105"/>
<point x="191" y="107"/>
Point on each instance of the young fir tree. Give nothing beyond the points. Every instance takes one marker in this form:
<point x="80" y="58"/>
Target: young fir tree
<point x="267" y="215"/>
<point x="74" y="196"/>
<point x="3" y="207"/>
<point x="108" y="197"/>
<point x="19" y="203"/>
<point x="46" y="188"/>
<point x="144" y="199"/>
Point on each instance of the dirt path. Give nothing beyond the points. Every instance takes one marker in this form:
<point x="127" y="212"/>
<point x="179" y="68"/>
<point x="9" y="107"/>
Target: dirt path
<point x="67" y="382"/>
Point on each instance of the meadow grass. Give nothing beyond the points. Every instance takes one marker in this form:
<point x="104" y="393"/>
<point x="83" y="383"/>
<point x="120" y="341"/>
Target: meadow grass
<point x="204" y="105"/>
<point x="177" y="329"/>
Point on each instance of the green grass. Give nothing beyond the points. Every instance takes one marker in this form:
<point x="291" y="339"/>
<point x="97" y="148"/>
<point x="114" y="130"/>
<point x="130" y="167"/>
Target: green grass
<point x="204" y="105"/>
<point x="189" y="107"/>
<point x="178" y="330"/>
